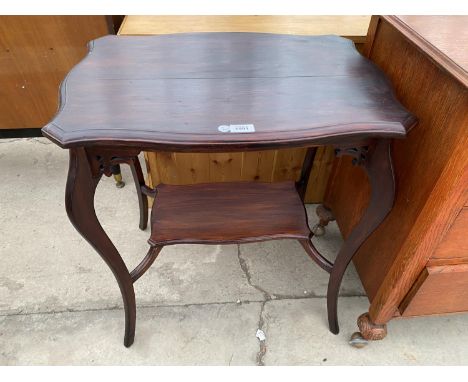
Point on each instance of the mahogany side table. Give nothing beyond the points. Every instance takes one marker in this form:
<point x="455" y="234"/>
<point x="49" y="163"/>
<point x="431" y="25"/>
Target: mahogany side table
<point x="219" y="92"/>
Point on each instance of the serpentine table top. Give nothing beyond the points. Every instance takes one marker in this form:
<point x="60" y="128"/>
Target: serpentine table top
<point x="175" y="91"/>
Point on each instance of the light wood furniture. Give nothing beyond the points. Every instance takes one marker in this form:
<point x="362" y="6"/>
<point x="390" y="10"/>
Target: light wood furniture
<point x="416" y="262"/>
<point x="264" y="166"/>
<point x="224" y="92"/>
<point x="36" y="52"/>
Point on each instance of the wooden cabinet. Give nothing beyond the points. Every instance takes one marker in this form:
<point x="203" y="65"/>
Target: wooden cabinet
<point x="36" y="52"/>
<point x="265" y="166"/>
<point x="438" y="289"/>
<point x="416" y="262"/>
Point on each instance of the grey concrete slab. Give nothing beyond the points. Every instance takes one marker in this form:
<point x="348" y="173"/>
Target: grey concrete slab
<point x="282" y="267"/>
<point x="296" y="335"/>
<point x="47" y="266"/>
<point x="187" y="311"/>
<point x="214" y="334"/>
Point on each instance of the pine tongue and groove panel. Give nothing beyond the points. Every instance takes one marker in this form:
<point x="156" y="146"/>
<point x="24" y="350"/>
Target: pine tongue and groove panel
<point x="264" y="166"/>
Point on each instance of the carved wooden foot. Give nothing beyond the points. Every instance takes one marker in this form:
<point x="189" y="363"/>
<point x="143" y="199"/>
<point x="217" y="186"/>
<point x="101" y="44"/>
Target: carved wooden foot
<point x="326" y="216"/>
<point x="369" y="330"/>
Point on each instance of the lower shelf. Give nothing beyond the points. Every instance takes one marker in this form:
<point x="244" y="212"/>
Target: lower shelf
<point x="227" y="213"/>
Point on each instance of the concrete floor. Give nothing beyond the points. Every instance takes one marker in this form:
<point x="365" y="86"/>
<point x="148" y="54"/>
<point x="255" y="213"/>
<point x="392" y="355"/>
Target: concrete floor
<point x="197" y="305"/>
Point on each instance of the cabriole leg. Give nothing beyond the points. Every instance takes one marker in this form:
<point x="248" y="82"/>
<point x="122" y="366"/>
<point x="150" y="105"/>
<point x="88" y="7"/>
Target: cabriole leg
<point x="79" y="202"/>
<point x="377" y="162"/>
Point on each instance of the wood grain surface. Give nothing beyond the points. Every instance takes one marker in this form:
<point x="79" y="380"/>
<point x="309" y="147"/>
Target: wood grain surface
<point x="227" y="213"/>
<point x="430" y="169"/>
<point x="454" y="245"/>
<point x="173" y="92"/>
<point x="438" y="290"/>
<point x="353" y="27"/>
<point x="443" y="38"/>
<point x="36" y="52"/>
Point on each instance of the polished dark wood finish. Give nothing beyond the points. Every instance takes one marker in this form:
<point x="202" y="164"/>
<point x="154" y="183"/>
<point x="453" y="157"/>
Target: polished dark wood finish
<point x="423" y="61"/>
<point x="303" y="181"/>
<point x="172" y="92"/>
<point x="377" y="163"/>
<point x="315" y="255"/>
<point x="217" y="213"/>
<point x="139" y="180"/>
<point x="79" y="202"/>
<point x="156" y="98"/>
<point x="144" y="265"/>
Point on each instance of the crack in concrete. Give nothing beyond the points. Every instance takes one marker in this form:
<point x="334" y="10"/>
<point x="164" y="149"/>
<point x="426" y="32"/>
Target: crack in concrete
<point x="263" y="348"/>
<point x="9" y="140"/>
<point x="266" y="297"/>
<point x="71" y="310"/>
<point x="42" y="141"/>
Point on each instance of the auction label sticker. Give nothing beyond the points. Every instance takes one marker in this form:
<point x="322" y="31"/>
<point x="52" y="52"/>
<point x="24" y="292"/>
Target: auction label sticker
<point x="247" y="128"/>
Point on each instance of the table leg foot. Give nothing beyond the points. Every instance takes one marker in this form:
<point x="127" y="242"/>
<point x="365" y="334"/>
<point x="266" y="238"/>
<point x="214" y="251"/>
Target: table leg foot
<point x="369" y="330"/>
<point x="129" y="337"/>
<point x="376" y="161"/>
<point x="325" y="216"/>
<point x="116" y="172"/>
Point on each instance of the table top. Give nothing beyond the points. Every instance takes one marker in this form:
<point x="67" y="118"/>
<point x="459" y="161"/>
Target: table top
<point x="225" y="91"/>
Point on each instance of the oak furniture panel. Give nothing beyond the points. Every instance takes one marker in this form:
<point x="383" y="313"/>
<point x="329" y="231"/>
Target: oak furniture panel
<point x="438" y="290"/>
<point x="454" y="245"/>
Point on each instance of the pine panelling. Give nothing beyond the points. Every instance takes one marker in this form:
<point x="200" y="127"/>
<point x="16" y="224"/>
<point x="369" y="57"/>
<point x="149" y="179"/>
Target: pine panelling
<point x="266" y="166"/>
<point x="258" y="165"/>
<point x="354" y="27"/>
<point x="225" y="167"/>
<point x="320" y="174"/>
